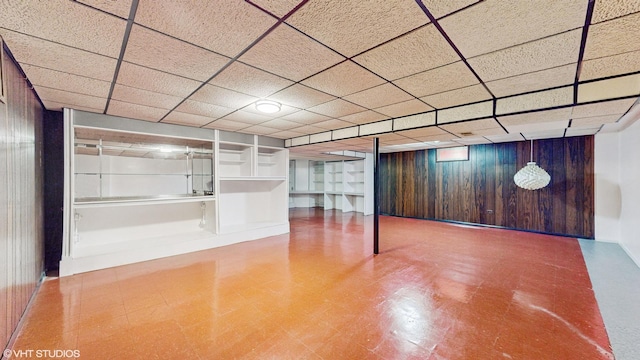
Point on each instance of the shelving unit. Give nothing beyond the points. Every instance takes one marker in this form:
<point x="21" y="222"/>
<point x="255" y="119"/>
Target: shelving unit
<point x="136" y="191"/>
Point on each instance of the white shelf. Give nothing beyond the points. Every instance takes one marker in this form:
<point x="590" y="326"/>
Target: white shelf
<point x="168" y="199"/>
<point x="253" y="178"/>
<point x="319" y="192"/>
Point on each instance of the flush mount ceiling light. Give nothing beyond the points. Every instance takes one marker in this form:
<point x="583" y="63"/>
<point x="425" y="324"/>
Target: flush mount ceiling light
<point x="267" y="106"/>
<point x="532" y="177"/>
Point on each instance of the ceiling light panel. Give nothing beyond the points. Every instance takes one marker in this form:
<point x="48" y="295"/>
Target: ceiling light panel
<point x="480" y="29"/>
<point x="337" y="108"/>
<point x="135" y="111"/>
<point x="607" y="10"/>
<point x="417" y="51"/>
<point x="224" y="124"/>
<point x="67" y="82"/>
<point x="301" y="96"/>
<point x="181" y="118"/>
<point x="66" y="22"/>
<point x="594" y="121"/>
<point x="379" y="96"/>
<point x="154" y="80"/>
<point x="145" y="97"/>
<point x="456" y="97"/>
<point x="64" y="97"/>
<point x="533" y="101"/>
<point x="414" y="121"/>
<point x="305" y="117"/>
<point x="332" y="80"/>
<point x="445" y="78"/>
<point x="204" y="109"/>
<point x="465" y="112"/>
<point x="33" y="51"/>
<point x="120" y="8"/>
<point x="224" y="26"/>
<point x="609" y="89"/>
<point x="613" y="37"/>
<point x="290" y="54"/>
<point x="536" y="117"/>
<point x="364" y="117"/>
<point x="352" y="26"/>
<point x="538" y="80"/>
<point x="219" y="96"/>
<point x="404" y="108"/>
<point x="602" y="108"/>
<point x="538" y="55"/>
<point x="157" y="51"/>
<point x="249" y="80"/>
<point x="610" y="66"/>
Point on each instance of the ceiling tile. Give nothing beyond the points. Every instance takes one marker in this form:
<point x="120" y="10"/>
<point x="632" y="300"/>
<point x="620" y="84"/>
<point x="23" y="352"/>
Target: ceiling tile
<point x="134" y="111"/>
<point x="581" y="131"/>
<point x="65" y="22"/>
<point x="439" y="8"/>
<point x="281" y="124"/>
<point x="157" y="51"/>
<point x="177" y="117"/>
<point x="610" y="66"/>
<point x="607" y="10"/>
<point x="219" y="96"/>
<point x="505" y="138"/>
<point x="544" y="134"/>
<point x="414" y="121"/>
<point x="249" y="80"/>
<point x="472" y="141"/>
<point x="536" y="117"/>
<point x="67" y="82"/>
<point x="538" y="80"/>
<point x="594" y="121"/>
<point x="301" y="96"/>
<point x="286" y="134"/>
<point x="260" y="130"/>
<point x="224" y="124"/>
<point x="376" y="127"/>
<point x="613" y="37"/>
<point x="284" y="110"/>
<point x="353" y="26"/>
<point x="247" y="117"/>
<point x="379" y="96"/>
<point x="538" y="55"/>
<point x="305" y="117"/>
<point x="144" y="97"/>
<point x="481" y="28"/>
<point x="609" y="89"/>
<point x="364" y="117"/>
<point x="538" y="128"/>
<point x="321" y="137"/>
<point x="602" y="108"/>
<point x="156" y="81"/>
<point x="461" y="96"/>
<point x="224" y="26"/>
<point x="337" y="108"/>
<point x="475" y="128"/>
<point x="533" y="101"/>
<point x="203" y="109"/>
<point x="345" y="133"/>
<point x="119" y="8"/>
<point x="308" y="129"/>
<point x="301" y="140"/>
<point x="445" y="78"/>
<point x="72" y="99"/>
<point x="279" y="8"/>
<point x="333" y="124"/>
<point x="57" y="106"/>
<point x="404" y="108"/>
<point x="465" y="112"/>
<point x="424" y="132"/>
<point x="45" y="54"/>
<point x="332" y="81"/>
<point x="417" y="51"/>
<point x="290" y="54"/>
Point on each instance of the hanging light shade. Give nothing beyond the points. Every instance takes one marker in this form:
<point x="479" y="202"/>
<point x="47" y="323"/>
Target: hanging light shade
<point x="532" y="177"/>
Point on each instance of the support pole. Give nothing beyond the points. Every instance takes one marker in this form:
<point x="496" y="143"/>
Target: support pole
<point x="376" y="194"/>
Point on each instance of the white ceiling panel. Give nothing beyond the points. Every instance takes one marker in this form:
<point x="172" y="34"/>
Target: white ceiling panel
<point x="481" y="28"/>
<point x="465" y="112"/>
<point x="424" y="132"/>
<point x="474" y="128"/>
<point x="220" y="96"/>
<point x="533" y="101"/>
<point x="472" y="141"/>
<point x="281" y="124"/>
<point x="246" y="117"/>
<point x="537" y="55"/>
<point x="613" y="37"/>
<point x="154" y="80"/>
<point x="345" y="133"/>
<point x="353" y="26"/>
<point x="610" y="66"/>
<point x="505" y="138"/>
<point x="68" y="22"/>
<point x="306" y="117"/>
<point x="67" y="82"/>
<point x="260" y="130"/>
<point x="414" y="121"/>
<point x="45" y="54"/>
<point x="308" y="129"/>
<point x="404" y="108"/>
<point x="552" y="127"/>
<point x="417" y="51"/>
<point x="594" y="121"/>
<point x="607" y="10"/>
<point x="203" y="109"/>
<point x="332" y="80"/>
<point x="286" y="134"/>
<point x="277" y="7"/>
<point x="609" y="89"/>
<point x="230" y="125"/>
<point x="231" y="26"/>
<point x="376" y="127"/>
<point x="301" y="96"/>
<point x="135" y="111"/>
<point x="456" y="97"/>
<point x="321" y="137"/>
<point x="332" y="124"/>
<point x="161" y="52"/>
<point x="72" y="99"/>
<point x="290" y="54"/>
<point x="439" y="8"/>
<point x="602" y="108"/>
<point x="337" y="108"/>
<point x="145" y="97"/>
<point x="249" y="80"/>
<point x="538" y="80"/>
<point x="581" y="131"/>
<point x="544" y="134"/>
<point x="536" y="117"/>
<point x="56" y="106"/>
<point x="445" y="78"/>
<point x="379" y="96"/>
<point x="119" y="8"/>
<point x="181" y="118"/>
<point x="364" y="117"/>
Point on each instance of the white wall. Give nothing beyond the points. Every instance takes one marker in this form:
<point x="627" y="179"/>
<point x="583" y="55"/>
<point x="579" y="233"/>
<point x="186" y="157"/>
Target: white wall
<point x="630" y="190"/>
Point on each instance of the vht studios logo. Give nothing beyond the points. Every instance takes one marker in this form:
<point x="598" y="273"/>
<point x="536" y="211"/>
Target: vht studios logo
<point x="41" y="354"/>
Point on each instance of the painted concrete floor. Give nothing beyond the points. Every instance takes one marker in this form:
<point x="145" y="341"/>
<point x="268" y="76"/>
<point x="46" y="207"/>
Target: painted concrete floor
<point x="436" y="291"/>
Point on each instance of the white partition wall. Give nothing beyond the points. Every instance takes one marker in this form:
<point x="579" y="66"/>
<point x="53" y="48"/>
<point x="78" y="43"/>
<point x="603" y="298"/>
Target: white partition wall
<point x="136" y="190"/>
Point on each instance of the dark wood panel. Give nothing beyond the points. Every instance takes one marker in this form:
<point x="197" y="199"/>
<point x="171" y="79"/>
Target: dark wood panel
<point x="481" y="190"/>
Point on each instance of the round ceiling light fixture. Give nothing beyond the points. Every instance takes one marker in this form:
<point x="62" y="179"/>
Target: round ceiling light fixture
<point x="267" y="106"/>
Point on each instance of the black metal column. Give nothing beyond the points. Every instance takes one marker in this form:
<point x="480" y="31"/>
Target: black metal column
<point x="376" y="195"/>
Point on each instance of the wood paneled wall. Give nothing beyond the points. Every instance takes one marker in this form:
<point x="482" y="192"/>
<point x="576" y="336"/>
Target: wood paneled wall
<point x="21" y="204"/>
<point x="482" y="190"/>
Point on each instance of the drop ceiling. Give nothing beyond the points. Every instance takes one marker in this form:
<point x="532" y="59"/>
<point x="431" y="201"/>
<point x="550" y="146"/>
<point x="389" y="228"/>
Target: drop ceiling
<point x="415" y="73"/>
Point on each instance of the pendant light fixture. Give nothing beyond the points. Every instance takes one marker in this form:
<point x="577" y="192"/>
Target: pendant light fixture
<point x="532" y="177"/>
